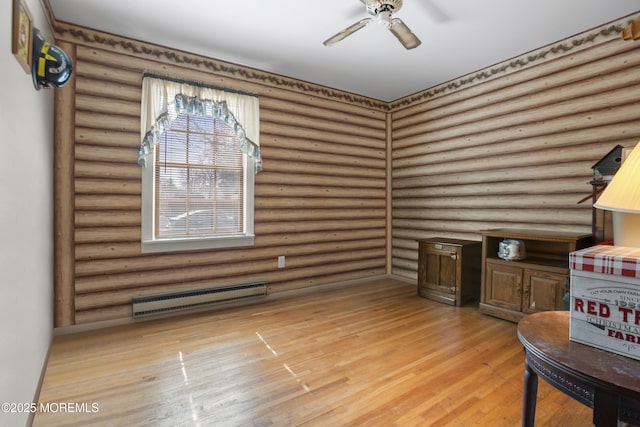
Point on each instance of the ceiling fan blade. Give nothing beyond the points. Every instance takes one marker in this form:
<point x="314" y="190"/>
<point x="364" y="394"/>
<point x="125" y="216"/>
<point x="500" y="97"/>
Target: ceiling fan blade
<point x="347" y="31"/>
<point x="404" y="34"/>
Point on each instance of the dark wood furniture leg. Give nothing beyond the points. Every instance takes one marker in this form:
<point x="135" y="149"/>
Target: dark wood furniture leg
<point x="529" y="396"/>
<point x="605" y="409"/>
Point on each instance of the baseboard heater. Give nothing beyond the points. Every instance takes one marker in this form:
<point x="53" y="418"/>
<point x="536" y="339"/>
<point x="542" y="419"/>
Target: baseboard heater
<point x="200" y="298"/>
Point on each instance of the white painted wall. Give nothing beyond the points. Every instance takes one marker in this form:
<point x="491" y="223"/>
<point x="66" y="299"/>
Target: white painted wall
<point x="26" y="223"/>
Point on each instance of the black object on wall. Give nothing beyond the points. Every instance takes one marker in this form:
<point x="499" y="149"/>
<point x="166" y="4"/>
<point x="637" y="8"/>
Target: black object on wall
<point x="51" y="67"/>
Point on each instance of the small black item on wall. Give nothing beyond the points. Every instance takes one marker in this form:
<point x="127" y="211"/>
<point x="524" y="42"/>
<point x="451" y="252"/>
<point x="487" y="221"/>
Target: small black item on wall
<point x="51" y="67"/>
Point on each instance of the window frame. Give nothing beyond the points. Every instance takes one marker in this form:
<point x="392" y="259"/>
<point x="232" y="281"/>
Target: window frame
<point x="210" y="97"/>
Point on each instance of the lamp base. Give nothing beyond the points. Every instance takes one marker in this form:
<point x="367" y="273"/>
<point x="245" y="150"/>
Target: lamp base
<point x="626" y="229"/>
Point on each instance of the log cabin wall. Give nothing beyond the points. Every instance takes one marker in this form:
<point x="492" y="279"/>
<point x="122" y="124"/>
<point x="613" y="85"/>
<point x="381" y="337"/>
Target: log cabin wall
<point x="321" y="199"/>
<point x="512" y="145"/>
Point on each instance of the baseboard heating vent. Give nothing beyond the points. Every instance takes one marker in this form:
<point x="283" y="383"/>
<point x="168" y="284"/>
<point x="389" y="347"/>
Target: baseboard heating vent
<point x="166" y="303"/>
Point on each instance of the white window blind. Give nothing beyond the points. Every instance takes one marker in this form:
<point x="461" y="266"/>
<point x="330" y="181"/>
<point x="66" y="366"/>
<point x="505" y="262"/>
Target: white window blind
<point x="199" y="177"/>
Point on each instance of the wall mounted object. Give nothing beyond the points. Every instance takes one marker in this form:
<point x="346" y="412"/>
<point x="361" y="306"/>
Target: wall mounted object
<point x="52" y="66"/>
<point x="22" y="34"/>
<point x="632" y="31"/>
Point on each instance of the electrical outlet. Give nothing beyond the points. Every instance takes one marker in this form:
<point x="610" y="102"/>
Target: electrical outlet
<point x="281" y="261"/>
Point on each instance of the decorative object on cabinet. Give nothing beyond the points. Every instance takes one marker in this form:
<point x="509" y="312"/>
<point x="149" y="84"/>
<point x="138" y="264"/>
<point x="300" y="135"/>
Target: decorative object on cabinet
<point x="512" y="250"/>
<point x="449" y="270"/>
<point x="622" y="196"/>
<point x="511" y="289"/>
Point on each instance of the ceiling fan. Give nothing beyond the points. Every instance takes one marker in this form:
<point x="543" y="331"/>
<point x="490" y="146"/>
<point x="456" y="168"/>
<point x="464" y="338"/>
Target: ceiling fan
<point x="381" y="10"/>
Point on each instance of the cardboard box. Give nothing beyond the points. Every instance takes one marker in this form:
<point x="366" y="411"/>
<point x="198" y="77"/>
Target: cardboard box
<point x="605" y="299"/>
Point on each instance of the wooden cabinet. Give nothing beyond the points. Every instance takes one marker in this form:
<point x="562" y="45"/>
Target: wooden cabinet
<point x="504" y="287"/>
<point x="449" y="270"/>
<point x="513" y="289"/>
<point x="543" y="291"/>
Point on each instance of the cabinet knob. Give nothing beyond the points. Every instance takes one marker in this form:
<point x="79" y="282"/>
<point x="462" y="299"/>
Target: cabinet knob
<point x="454" y="256"/>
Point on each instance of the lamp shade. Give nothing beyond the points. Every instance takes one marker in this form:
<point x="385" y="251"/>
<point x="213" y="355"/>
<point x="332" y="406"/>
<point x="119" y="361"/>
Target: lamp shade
<point x="622" y="194"/>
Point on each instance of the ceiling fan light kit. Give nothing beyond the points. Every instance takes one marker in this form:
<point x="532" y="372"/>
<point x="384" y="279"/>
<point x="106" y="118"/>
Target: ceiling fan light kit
<point x="382" y="11"/>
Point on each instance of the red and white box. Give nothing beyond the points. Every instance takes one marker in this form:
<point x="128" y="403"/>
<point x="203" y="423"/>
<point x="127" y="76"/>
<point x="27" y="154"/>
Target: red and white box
<point x="605" y="298"/>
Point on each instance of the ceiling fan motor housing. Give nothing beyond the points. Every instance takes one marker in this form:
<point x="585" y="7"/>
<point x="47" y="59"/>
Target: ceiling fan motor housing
<point x="380" y="6"/>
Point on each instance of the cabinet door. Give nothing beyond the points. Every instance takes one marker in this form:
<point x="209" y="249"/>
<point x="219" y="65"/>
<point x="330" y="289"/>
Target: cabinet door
<point x="543" y="291"/>
<point x="443" y="272"/>
<point x="503" y="285"/>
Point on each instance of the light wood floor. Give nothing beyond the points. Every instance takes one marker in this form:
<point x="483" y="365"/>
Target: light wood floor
<point x="367" y="355"/>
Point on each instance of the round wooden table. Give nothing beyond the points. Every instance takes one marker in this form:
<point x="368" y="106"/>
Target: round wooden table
<point x="607" y="382"/>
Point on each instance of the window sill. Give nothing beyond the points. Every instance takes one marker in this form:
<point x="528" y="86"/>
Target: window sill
<point x="194" y="244"/>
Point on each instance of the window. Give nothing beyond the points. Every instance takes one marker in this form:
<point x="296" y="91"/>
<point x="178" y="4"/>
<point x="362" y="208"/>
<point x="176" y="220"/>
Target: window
<point x="199" y="164"/>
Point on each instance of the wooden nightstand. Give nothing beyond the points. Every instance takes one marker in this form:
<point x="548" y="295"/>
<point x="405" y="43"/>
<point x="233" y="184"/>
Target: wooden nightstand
<point x="449" y="270"/>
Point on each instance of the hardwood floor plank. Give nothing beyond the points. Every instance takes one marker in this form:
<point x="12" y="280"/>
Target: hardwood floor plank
<point x="373" y="355"/>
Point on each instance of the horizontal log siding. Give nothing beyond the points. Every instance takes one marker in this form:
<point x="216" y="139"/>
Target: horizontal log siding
<point x="514" y="151"/>
<point x="320" y="201"/>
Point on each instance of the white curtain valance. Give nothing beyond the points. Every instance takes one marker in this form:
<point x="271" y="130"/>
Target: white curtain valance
<point x="163" y="100"/>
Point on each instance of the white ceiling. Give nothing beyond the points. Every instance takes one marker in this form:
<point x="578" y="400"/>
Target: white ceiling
<point x="285" y="36"/>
